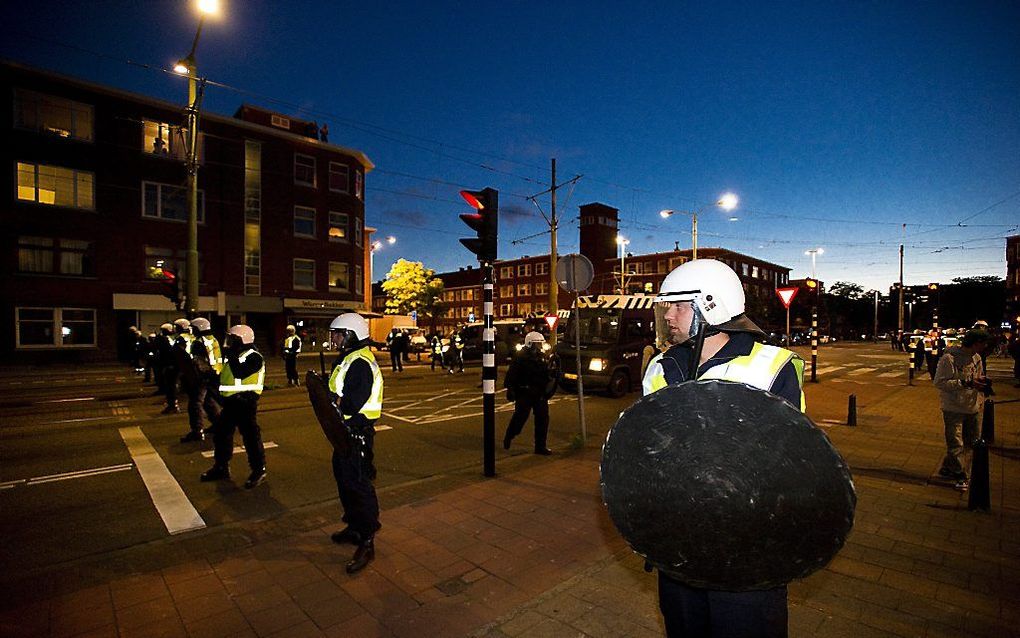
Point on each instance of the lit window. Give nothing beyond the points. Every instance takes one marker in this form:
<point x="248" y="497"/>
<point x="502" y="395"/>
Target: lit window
<point x="56" y="186"/>
<point x="523" y="309"/>
<point x="338" y="226"/>
<point x="339" y="277"/>
<point x="160" y="138"/>
<point x="542" y="288"/>
<point x="304" y="274"/>
<point x="304" y="170"/>
<point x="506" y="291"/>
<point x="53" y="115"/>
<point x="524" y="290"/>
<point x="304" y="222"/>
<point x="506" y="272"/>
<point x="339" y="180"/>
<point x="280" y="121"/>
<point x="167" y="202"/>
<point x="46" y="328"/>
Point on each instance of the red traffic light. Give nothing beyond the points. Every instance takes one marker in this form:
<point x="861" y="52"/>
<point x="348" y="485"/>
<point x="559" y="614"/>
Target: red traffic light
<point x="485" y="223"/>
<point x="471" y="197"/>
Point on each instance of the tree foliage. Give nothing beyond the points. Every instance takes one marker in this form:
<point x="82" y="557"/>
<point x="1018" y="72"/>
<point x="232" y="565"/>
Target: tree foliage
<point x="847" y="290"/>
<point x="410" y="286"/>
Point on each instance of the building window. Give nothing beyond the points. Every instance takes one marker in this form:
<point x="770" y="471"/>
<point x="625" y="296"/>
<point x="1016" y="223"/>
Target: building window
<point x="675" y="261"/>
<point x="358" y="288"/>
<point x="506" y="309"/>
<point x="252" y="218"/>
<point x="523" y="290"/>
<point x="524" y="270"/>
<point x="359" y="190"/>
<point x="660" y="267"/>
<point x="506" y="272"/>
<point x="542" y="288"/>
<point x="754" y="271"/>
<point x="506" y="291"/>
<point x="357" y="232"/>
<point x="339" y="180"/>
<point x="163" y="201"/>
<point x="56" y="186"/>
<point x="54" y="115"/>
<point x="339" y="280"/>
<point x="56" y="328"/>
<point x="280" y="121"/>
<point x="160" y="138"/>
<point x="169" y="259"/>
<point x="523" y="309"/>
<point x="542" y="268"/>
<point x="304" y="170"/>
<point x="743" y="269"/>
<point x="304" y="274"/>
<point x="304" y="222"/>
<point x="338" y="226"/>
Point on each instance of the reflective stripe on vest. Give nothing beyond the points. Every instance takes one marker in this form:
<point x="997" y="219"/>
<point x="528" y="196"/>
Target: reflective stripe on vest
<point x="212" y="349"/>
<point x="189" y="340"/>
<point x="758" y="369"/>
<point x="251" y="383"/>
<point x="289" y="341"/>
<point x="373" y="406"/>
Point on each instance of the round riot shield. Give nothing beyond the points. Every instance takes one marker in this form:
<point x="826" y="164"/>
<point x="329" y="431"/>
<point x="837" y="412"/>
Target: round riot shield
<point x="724" y="486"/>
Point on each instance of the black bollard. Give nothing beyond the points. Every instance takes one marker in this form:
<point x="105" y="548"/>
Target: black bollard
<point x="980" y="485"/>
<point x="988" y="422"/>
<point x="851" y="412"/>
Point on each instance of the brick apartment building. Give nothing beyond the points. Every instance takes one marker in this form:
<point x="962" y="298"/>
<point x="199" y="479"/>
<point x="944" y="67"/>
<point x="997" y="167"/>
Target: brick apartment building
<point x="96" y="186"/>
<point x="522" y="285"/>
<point x="1013" y="280"/>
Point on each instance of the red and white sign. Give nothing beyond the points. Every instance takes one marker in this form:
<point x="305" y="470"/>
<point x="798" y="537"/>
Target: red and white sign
<point x="552" y="320"/>
<point x="786" y="295"/>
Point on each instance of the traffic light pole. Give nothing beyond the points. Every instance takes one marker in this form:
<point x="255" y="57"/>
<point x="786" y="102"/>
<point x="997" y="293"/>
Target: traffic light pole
<point x="814" y="341"/>
<point x="488" y="375"/>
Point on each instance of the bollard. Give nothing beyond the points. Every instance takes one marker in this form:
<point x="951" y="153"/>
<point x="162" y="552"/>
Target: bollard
<point x="980" y="484"/>
<point x="988" y="422"/>
<point x="851" y="412"/>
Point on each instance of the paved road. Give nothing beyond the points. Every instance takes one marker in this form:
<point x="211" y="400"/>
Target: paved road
<point x="90" y="466"/>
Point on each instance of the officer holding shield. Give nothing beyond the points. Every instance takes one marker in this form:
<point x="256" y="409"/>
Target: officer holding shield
<point x="713" y="339"/>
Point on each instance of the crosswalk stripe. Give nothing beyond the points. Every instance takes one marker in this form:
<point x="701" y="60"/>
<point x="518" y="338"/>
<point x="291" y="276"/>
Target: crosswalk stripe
<point x="886" y="375"/>
<point x="828" y="369"/>
<point x="268" y="445"/>
<point x="860" y="371"/>
<point x="172" y="504"/>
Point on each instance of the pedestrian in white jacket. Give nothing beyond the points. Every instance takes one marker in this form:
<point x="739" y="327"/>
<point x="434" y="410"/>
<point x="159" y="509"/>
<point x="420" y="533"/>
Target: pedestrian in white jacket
<point x="961" y="382"/>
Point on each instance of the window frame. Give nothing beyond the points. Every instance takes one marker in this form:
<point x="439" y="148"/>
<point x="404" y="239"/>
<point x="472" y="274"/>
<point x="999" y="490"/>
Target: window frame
<point x="57" y="323"/>
<point x="359" y="288"/>
<point x="345" y="239"/>
<point x="541" y="268"/>
<point x="294" y="273"/>
<point x="314" y="169"/>
<point x="358" y="231"/>
<point x="506" y="272"/>
<point x="333" y="288"/>
<point x="523" y="270"/>
<point x="294" y="227"/>
<point x="159" y="201"/>
<point x="347" y="178"/>
<point x="75" y="175"/>
<point x="38" y="127"/>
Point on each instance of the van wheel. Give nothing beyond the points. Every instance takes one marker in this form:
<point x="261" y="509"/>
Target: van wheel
<point x="619" y="384"/>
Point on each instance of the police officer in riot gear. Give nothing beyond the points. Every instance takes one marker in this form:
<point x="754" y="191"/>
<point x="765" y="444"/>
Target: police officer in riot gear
<point x="530" y="382"/>
<point x="455" y="353"/>
<point x="436" y="347"/>
<point x="291" y="350"/>
<point x="357" y="383"/>
<point x="208" y="360"/>
<point x="168" y="367"/>
<point x="241" y="380"/>
<point x="704" y="309"/>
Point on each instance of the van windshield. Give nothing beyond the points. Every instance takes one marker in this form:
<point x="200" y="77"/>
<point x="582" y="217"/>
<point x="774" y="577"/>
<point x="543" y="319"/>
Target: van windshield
<point x="599" y="326"/>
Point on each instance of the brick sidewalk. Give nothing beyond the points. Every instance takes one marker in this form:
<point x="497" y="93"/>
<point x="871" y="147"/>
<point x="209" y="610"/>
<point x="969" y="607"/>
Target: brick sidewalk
<point x="532" y="553"/>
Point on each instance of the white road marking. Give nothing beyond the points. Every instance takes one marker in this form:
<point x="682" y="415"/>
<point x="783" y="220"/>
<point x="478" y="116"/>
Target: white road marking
<point x="826" y="369"/>
<point x="399" y="418"/>
<point x="238" y="449"/>
<point x="67" y="400"/>
<point x="429" y="400"/>
<point x="859" y="371"/>
<point x="65" y="476"/>
<point x="177" y="512"/>
<point x="380" y="428"/>
<point x="887" y="375"/>
<point x="87" y="418"/>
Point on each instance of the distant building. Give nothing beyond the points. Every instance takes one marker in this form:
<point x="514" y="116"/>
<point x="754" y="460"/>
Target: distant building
<point x="522" y="284"/>
<point x="97" y="197"/>
<point x="1013" y="280"/>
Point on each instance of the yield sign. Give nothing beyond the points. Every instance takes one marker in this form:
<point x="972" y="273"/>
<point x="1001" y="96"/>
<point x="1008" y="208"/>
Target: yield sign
<point x="786" y="295"/>
<point x="552" y="320"/>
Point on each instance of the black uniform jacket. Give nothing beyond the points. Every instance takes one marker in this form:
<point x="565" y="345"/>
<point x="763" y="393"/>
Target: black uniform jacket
<point x="240" y="370"/>
<point x="528" y="375"/>
<point x="676" y="361"/>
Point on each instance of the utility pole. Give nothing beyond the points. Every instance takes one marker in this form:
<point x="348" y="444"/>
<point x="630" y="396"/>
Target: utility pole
<point x="553" y="285"/>
<point x="900" y="319"/>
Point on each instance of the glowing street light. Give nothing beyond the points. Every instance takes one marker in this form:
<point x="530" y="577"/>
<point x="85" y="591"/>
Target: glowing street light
<point x="622" y="242"/>
<point x="727" y="202"/>
<point x="375" y="247"/>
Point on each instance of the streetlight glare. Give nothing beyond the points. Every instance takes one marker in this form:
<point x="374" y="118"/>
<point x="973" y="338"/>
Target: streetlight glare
<point x="665" y="213"/>
<point x="728" y="201"/>
<point x="209" y="7"/>
<point x="181" y="67"/>
<point x="391" y="239"/>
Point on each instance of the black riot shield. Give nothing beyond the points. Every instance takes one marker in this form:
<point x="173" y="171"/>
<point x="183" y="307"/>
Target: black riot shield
<point x="329" y="417"/>
<point x="724" y="486"/>
<point x="190" y="374"/>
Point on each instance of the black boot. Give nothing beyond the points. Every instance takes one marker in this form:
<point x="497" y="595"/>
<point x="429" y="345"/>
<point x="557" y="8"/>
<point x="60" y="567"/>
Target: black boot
<point x="506" y="440"/>
<point x="364" y="555"/>
<point x="215" y="473"/>
<point x="255" y="478"/>
<point x="195" y="435"/>
<point x="346" y="536"/>
<point x="544" y="451"/>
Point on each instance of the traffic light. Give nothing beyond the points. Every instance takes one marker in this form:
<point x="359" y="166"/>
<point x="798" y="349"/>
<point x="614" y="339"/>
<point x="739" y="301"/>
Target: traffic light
<point x="812" y="284"/>
<point x="933" y="286"/>
<point x="171" y="285"/>
<point x="485" y="223"/>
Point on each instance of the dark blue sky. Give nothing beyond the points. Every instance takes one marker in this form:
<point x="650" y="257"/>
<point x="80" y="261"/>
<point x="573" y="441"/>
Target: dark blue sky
<point x="835" y="123"/>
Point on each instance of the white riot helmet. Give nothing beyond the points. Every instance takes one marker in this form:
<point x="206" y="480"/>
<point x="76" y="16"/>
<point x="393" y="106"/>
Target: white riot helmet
<point x="715" y="293"/>
<point x="200" y="325"/>
<point x="291" y="329"/>
<point x="167" y="328"/>
<point x="245" y="334"/>
<point x="533" y="337"/>
<point x="182" y="324"/>
<point x="348" y="329"/>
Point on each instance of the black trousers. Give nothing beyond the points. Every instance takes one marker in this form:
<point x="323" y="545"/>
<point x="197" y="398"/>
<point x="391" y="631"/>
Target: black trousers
<point x="290" y="364"/>
<point x="689" y="612"/>
<point x="170" y="380"/>
<point x="395" y="361"/>
<point x="354" y="474"/>
<point x="437" y="358"/>
<point x="455" y="358"/>
<point x="239" y="412"/>
<point x="523" y="406"/>
<point x="196" y="402"/>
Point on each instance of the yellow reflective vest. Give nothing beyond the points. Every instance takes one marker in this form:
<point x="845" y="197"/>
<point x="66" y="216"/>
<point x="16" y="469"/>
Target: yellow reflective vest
<point x="758" y="369"/>
<point x="212" y="350"/>
<point x="288" y="344"/>
<point x="251" y="383"/>
<point x="372" y="409"/>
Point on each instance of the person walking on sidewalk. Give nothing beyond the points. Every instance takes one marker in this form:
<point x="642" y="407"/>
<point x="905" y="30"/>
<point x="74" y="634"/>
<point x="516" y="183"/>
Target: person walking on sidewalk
<point x="530" y="382"/>
<point x="961" y="382"/>
<point x="241" y="382"/>
<point x="291" y="350"/>
<point x="455" y="353"/>
<point x="358" y="384"/>
<point x="705" y="296"/>
<point x="394" y="343"/>
<point x="436" y="346"/>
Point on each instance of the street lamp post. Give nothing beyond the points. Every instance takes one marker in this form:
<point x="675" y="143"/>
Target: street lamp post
<point x="196" y="86"/>
<point x="375" y="247"/>
<point x="622" y="242"/>
<point x="814" y="252"/>
<point x="727" y="202"/>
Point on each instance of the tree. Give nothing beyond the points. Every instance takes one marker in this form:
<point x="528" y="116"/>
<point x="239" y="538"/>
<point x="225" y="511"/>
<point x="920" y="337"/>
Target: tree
<point x="410" y="286"/>
<point x="847" y="290"/>
<point x="849" y="310"/>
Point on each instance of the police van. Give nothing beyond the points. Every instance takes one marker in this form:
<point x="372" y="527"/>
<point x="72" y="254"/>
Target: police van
<point x="509" y="334"/>
<point x="617" y="335"/>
